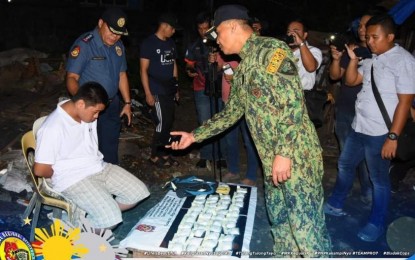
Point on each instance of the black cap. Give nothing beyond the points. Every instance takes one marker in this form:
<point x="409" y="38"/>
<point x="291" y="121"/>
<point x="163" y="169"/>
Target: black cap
<point x="116" y="21"/>
<point x="228" y="12"/>
<point x="170" y="19"/>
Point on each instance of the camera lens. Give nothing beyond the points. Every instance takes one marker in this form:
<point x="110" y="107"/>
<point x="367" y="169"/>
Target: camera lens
<point x="288" y="39"/>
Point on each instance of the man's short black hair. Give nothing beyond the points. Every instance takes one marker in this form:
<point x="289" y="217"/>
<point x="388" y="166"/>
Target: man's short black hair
<point x="299" y="20"/>
<point x="92" y="93"/>
<point x="385" y="21"/>
<point x="203" y="17"/>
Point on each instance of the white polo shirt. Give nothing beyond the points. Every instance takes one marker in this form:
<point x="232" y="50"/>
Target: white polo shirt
<point x="70" y="147"/>
<point x="394" y="73"/>
<point x="308" y="79"/>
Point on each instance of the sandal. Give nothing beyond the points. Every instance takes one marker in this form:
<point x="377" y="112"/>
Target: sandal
<point x="172" y="161"/>
<point x="330" y="210"/>
<point x="370" y="233"/>
<point x="159" y="162"/>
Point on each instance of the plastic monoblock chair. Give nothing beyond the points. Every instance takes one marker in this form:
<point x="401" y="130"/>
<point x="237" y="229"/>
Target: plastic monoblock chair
<point x="43" y="193"/>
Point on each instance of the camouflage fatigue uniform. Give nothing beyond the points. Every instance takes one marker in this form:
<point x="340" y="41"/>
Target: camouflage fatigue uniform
<point x="267" y="89"/>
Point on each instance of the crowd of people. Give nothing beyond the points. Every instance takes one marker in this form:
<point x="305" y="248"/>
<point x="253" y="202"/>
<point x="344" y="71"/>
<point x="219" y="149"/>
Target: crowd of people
<point x="260" y="94"/>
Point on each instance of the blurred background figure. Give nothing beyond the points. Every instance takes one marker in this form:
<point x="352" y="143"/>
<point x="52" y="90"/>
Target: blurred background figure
<point x="202" y="66"/>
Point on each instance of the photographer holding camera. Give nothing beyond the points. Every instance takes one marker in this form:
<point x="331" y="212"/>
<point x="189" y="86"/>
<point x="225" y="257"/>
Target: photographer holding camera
<point x="309" y="57"/>
<point x="201" y="65"/>
<point x="346" y="98"/>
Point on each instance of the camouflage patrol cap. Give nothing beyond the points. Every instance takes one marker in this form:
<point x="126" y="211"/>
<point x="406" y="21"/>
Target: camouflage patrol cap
<point x="116" y="20"/>
<point x="228" y="12"/>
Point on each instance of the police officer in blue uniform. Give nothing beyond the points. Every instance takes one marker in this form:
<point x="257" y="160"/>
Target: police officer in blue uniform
<point x="99" y="56"/>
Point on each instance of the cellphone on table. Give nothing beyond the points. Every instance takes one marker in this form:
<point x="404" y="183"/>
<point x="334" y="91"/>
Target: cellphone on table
<point x="174" y="138"/>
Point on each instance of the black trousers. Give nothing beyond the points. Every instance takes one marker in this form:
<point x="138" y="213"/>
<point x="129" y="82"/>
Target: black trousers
<point x="163" y="117"/>
<point x="108" y="129"/>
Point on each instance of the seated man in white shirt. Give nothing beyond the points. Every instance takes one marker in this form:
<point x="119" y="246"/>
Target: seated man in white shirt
<point x="309" y="57"/>
<point x="67" y="152"/>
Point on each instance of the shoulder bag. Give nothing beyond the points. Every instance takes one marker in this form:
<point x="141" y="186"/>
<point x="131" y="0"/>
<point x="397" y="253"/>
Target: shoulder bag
<point x="406" y="140"/>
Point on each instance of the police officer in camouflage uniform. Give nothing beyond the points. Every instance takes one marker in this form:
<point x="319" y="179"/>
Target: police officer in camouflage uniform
<point x="267" y="90"/>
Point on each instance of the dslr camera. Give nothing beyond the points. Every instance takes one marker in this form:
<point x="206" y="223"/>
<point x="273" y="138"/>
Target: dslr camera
<point x="210" y="35"/>
<point x="288" y="39"/>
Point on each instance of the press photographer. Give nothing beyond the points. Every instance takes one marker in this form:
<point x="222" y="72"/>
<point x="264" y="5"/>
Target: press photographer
<point x="309" y="59"/>
<point x="346" y="95"/>
<point x="201" y="65"/>
<point x="339" y="41"/>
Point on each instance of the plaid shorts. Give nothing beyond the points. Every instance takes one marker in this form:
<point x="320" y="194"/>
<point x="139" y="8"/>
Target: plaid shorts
<point x="95" y="194"/>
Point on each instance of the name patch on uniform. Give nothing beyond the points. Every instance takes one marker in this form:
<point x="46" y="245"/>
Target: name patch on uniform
<point x="276" y="60"/>
<point x="118" y="50"/>
<point x="98" y="58"/>
<point x="75" y="51"/>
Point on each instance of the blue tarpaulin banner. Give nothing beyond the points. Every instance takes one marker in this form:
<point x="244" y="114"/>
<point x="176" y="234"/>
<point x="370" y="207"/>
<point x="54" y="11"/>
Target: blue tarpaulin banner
<point x="402" y="10"/>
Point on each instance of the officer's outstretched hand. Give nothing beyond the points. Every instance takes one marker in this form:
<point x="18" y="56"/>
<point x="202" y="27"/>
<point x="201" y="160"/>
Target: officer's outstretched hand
<point x="281" y="170"/>
<point x="185" y="141"/>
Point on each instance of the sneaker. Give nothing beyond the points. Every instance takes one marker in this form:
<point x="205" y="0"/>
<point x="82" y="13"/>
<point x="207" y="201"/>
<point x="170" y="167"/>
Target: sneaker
<point x="370" y="233"/>
<point x="201" y="163"/>
<point x="330" y="210"/>
<point x="248" y="182"/>
<point x="230" y="177"/>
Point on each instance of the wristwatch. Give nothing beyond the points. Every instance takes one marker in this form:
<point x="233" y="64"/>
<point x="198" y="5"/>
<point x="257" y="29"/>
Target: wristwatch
<point x="393" y="136"/>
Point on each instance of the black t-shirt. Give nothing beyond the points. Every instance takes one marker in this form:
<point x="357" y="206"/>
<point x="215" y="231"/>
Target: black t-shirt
<point x="347" y="95"/>
<point x="162" y="55"/>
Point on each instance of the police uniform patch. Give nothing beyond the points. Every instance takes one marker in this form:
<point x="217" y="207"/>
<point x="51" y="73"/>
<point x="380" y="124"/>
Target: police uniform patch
<point x="118" y="50"/>
<point x="75" y="51"/>
<point x="121" y="22"/>
<point x="88" y="37"/>
<point x="276" y="60"/>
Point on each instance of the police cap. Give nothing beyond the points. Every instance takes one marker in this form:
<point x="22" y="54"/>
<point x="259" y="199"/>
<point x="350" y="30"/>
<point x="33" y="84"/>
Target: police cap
<point x="116" y="20"/>
<point x="228" y="12"/>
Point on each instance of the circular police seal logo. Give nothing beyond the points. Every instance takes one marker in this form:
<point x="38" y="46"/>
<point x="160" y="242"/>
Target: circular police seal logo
<point x="75" y="51"/>
<point x="121" y="22"/>
<point x="145" y="228"/>
<point x="118" y="50"/>
<point x="14" y="246"/>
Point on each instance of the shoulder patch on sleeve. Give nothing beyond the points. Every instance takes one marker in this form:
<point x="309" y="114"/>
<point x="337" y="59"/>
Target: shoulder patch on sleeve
<point x="118" y="50"/>
<point x="276" y="60"/>
<point x="88" y="37"/>
<point x="75" y="51"/>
